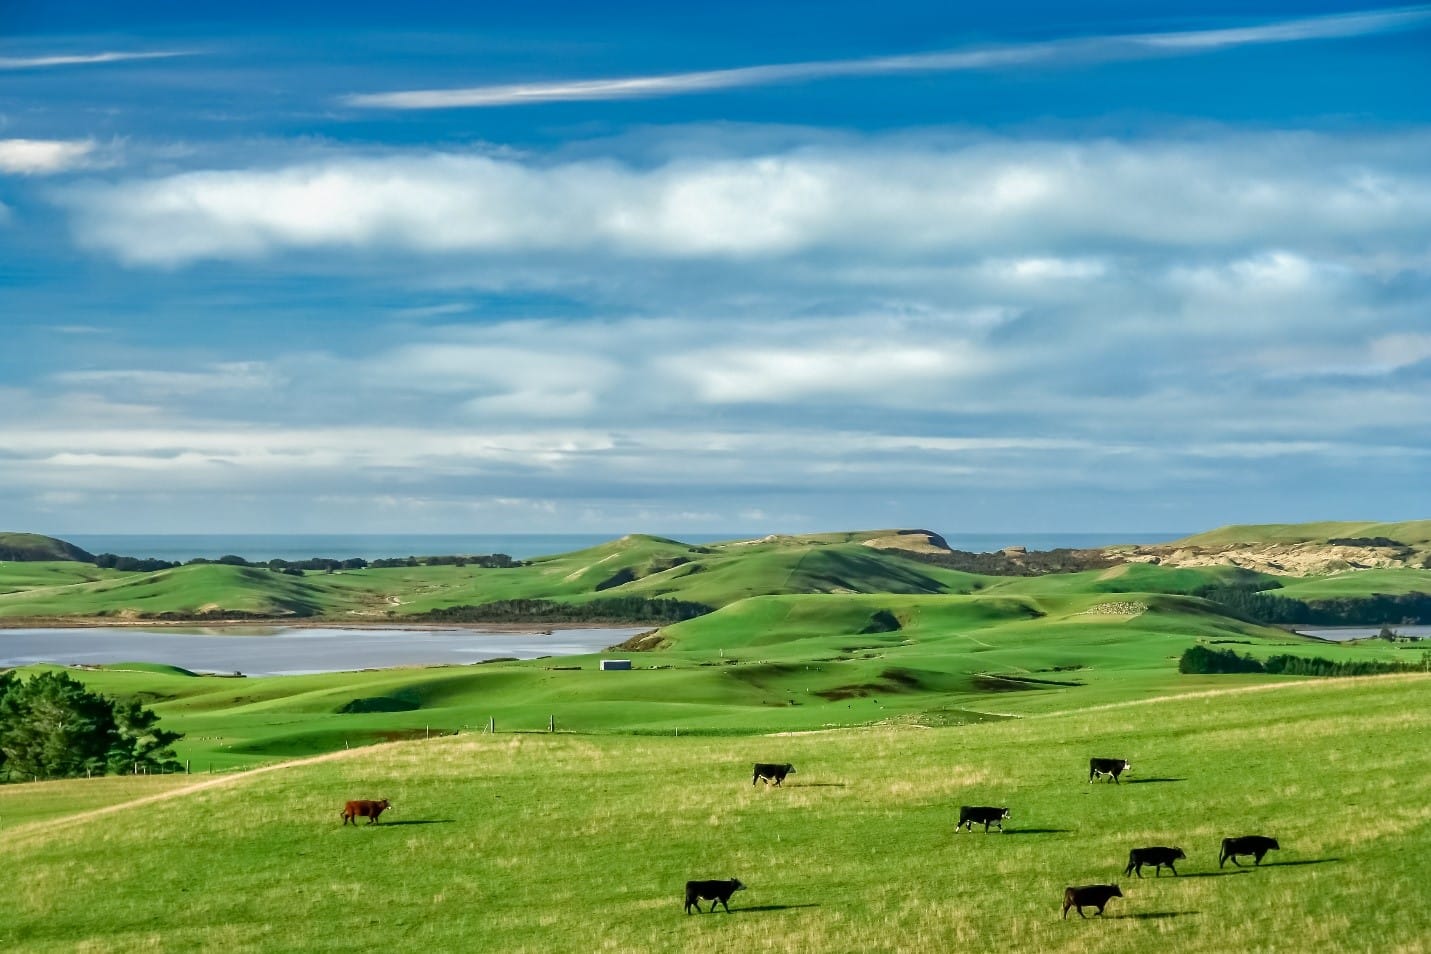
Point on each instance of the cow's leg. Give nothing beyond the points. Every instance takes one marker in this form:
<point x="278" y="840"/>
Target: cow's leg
<point x="723" y="904"/>
<point x="1258" y="857"/>
<point x="1158" y="869"/>
<point x="1080" y="912"/>
<point x="986" y="828"/>
<point x="1235" y="861"/>
<point x="1101" y="906"/>
<point x="1172" y="868"/>
<point x="1137" y="869"/>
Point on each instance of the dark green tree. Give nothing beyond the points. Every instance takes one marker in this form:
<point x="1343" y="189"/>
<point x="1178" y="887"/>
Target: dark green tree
<point x="51" y="726"/>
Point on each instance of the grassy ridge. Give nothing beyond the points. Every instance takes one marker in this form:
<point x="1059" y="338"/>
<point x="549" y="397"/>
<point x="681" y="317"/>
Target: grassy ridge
<point x="635" y="566"/>
<point x="1410" y="533"/>
<point x="529" y="844"/>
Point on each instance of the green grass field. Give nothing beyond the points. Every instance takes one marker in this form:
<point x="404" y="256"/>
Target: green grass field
<point x="533" y="843"/>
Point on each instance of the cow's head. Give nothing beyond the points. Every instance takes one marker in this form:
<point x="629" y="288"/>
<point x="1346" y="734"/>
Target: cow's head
<point x="789" y="769"/>
<point x="1273" y="842"/>
<point x="736" y="885"/>
<point x="1117" y="891"/>
<point x="1178" y="853"/>
<point x="1006" y="813"/>
<point x="1127" y="766"/>
<point x="385" y="804"/>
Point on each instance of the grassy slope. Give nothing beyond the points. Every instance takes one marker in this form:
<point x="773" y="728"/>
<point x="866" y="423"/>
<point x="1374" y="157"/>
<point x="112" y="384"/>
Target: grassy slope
<point x="527" y="844"/>
<point x="636" y="565"/>
<point x="1411" y="533"/>
<point x="763" y="664"/>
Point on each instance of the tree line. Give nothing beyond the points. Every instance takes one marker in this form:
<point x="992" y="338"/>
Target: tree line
<point x="1259" y="606"/>
<point x="51" y="726"/>
<point x="616" y="609"/>
<point x="111" y="561"/>
<point x="1202" y="660"/>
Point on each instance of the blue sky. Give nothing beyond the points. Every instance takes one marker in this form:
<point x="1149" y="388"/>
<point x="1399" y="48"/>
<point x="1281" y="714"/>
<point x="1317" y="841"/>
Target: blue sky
<point x="620" y="267"/>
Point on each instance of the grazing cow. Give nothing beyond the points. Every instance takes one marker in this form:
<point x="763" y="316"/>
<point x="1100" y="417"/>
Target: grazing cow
<point x="1089" y="896"/>
<point x="771" y="772"/>
<point x="1157" y="857"/>
<point x="976" y="814"/>
<point x="363" y="808"/>
<point x="1109" y="767"/>
<point x="712" y="891"/>
<point x="1255" y="845"/>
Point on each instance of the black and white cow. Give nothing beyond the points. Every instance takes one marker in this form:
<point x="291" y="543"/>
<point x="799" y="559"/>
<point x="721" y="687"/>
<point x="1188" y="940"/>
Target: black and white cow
<point x="1109" y="767"/>
<point x="972" y="815"/>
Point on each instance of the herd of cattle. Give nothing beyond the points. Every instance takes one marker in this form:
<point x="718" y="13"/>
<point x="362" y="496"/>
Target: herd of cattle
<point x="1078" y="897"/>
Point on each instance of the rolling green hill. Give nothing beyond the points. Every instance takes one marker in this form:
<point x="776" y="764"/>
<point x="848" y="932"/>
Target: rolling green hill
<point x="34" y="547"/>
<point x="1415" y="533"/>
<point x="531" y="843"/>
<point x="655" y="568"/>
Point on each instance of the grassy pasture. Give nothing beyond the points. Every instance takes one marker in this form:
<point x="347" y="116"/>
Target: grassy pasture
<point x="530" y="843"/>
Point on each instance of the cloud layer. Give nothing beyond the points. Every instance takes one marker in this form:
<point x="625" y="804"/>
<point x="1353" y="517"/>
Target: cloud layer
<point x="42" y="156"/>
<point x="879" y="201"/>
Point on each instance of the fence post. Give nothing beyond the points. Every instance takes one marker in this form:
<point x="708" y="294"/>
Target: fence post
<point x="491" y="725"/>
<point x="551" y="723"/>
<point x="188" y="766"/>
<point x="429" y="732"/>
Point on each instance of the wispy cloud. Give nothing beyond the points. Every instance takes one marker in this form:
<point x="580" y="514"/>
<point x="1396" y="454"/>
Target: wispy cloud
<point x="1078" y="50"/>
<point x="42" y="156"/>
<point x="82" y="59"/>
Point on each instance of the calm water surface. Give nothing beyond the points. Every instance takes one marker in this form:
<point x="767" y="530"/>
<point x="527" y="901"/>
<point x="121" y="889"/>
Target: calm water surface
<point x="274" y="651"/>
<point x="1342" y="633"/>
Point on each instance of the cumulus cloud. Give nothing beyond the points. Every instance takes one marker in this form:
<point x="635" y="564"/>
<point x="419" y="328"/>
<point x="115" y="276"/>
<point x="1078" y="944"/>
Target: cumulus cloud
<point x="1081" y="50"/>
<point x="43" y="156"/>
<point x="869" y="201"/>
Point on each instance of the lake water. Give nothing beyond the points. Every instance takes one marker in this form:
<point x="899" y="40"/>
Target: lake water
<point x="181" y="547"/>
<point x="275" y="651"/>
<point x="1343" y="633"/>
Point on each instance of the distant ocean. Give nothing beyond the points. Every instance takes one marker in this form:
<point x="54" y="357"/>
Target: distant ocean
<point x="264" y="546"/>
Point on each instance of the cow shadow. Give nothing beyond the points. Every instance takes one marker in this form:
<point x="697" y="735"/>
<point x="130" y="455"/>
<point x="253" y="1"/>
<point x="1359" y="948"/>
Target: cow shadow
<point x="1152" y="781"/>
<point x="1152" y="915"/>
<point x="1295" y="864"/>
<point x="1214" y="874"/>
<point x="416" y="821"/>
<point x="1038" y="831"/>
<point x="771" y="907"/>
<point x="815" y="785"/>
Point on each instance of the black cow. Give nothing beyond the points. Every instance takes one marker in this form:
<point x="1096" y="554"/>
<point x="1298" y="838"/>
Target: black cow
<point x="712" y="891"/>
<point x="1109" y="767"/>
<point x="1158" y="857"/>
<point x="1089" y="896"/>
<point x="1256" y="845"/>
<point x="976" y="814"/>
<point x="771" y="772"/>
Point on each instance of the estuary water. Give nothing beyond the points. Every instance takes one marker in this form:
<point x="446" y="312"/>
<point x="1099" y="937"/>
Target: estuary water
<point x="277" y="651"/>
<point x="1343" y="633"/>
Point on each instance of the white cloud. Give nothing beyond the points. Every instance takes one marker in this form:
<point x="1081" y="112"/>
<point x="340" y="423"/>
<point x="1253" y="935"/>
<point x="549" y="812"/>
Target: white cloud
<point x="81" y="59"/>
<point x="43" y="156"/>
<point x="1077" y="51"/>
<point x="865" y="369"/>
<point x="878" y="201"/>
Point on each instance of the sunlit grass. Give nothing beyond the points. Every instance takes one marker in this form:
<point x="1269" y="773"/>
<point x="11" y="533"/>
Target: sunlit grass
<point x="527" y="843"/>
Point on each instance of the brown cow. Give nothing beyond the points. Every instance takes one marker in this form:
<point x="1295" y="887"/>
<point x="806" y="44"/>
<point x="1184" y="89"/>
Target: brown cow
<point x="363" y="808"/>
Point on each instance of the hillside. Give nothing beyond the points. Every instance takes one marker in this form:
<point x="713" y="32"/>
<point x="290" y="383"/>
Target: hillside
<point x="34" y="547"/>
<point x="1311" y="560"/>
<point x="532" y="843"/>
<point x="1309" y="549"/>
